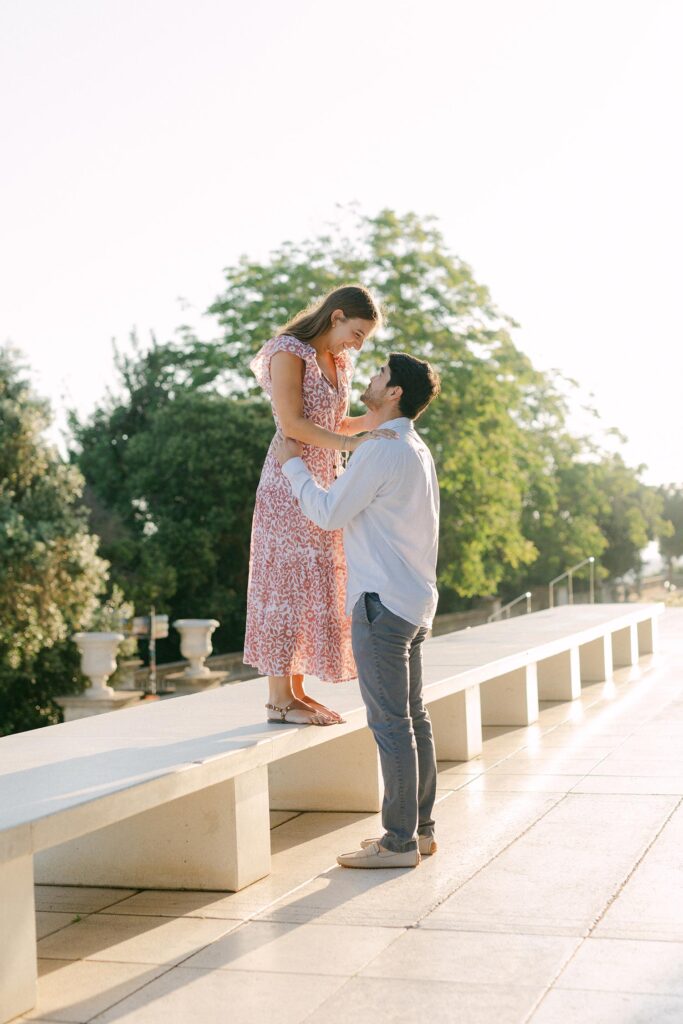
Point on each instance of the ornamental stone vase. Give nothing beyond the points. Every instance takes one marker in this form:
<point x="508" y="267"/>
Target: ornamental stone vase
<point x="195" y="644"/>
<point x="98" y="661"/>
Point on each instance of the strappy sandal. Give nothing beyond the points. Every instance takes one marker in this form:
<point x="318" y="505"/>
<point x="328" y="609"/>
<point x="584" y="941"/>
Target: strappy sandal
<point x="282" y="712"/>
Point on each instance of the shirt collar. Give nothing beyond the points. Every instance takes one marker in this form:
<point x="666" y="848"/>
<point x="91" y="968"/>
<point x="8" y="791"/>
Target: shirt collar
<point x="400" y="423"/>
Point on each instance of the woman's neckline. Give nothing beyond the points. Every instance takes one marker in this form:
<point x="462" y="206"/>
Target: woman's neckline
<point x="320" y="369"/>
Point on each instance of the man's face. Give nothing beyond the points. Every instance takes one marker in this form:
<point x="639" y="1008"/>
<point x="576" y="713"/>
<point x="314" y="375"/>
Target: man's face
<point x="378" y="392"/>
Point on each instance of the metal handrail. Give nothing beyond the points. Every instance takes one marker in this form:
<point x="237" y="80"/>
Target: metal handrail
<point x="506" y="607"/>
<point x="570" y="585"/>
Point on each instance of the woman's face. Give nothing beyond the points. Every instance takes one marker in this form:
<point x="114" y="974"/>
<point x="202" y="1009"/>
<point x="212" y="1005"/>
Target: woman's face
<point x="348" y="333"/>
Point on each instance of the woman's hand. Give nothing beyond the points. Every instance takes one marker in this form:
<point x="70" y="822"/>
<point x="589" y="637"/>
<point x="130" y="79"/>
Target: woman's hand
<point x="372" y="435"/>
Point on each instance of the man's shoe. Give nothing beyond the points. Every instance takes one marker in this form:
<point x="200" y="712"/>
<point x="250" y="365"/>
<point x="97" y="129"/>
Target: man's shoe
<point x="375" y="856"/>
<point x="425" y="844"/>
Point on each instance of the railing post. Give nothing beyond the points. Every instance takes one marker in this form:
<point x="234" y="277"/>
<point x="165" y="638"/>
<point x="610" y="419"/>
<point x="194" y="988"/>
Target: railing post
<point x="592" y="579"/>
<point x="504" y="612"/>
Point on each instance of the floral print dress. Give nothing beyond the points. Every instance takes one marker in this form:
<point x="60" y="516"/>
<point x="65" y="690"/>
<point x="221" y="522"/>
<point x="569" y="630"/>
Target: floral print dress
<point x="296" y="620"/>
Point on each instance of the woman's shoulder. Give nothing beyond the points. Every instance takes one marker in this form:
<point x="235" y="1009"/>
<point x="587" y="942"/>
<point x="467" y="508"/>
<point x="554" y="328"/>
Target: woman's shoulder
<point x="288" y="343"/>
<point x="260" y="364"/>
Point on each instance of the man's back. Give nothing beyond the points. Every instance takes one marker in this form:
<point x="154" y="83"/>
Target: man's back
<point x="391" y="545"/>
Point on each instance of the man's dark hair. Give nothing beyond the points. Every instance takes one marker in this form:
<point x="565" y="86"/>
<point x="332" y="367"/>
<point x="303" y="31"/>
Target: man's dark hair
<point x="418" y="380"/>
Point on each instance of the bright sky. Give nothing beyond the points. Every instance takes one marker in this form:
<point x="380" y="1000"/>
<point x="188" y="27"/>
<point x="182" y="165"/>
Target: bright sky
<point x="148" y="143"/>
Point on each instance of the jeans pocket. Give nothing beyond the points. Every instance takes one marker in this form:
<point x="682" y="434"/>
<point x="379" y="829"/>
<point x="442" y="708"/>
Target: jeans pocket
<point x="373" y="607"/>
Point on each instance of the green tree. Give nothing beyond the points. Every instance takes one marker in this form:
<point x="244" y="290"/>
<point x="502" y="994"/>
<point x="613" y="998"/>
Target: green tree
<point x="438" y="311"/>
<point x="633" y="515"/>
<point x="50" y="573"/>
<point x="671" y="538"/>
<point x="173" y="501"/>
<point x="522" y="498"/>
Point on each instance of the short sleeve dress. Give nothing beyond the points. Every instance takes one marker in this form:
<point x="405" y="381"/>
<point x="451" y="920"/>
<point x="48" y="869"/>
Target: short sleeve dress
<point x="296" y="619"/>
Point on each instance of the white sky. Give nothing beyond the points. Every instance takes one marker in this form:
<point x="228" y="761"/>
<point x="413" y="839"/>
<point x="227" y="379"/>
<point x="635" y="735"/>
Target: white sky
<point x="148" y="143"/>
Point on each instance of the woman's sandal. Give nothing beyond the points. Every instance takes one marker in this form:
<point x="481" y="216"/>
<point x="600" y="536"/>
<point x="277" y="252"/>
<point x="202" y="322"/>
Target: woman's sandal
<point x="283" y="711"/>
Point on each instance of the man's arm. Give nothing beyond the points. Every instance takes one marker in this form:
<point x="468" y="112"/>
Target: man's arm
<point x="353" y="491"/>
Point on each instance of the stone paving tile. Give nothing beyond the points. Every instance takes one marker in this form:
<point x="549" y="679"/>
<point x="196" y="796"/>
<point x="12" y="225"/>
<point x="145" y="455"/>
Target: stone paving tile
<point x="523" y="783"/>
<point x="190" y="996"/>
<point x="278" y="818"/>
<point x="626" y="965"/>
<point x="642" y="767"/>
<point x="474" y="958"/>
<point x="448" y="782"/>
<point x="546" y="764"/>
<point x="566" y="1007"/>
<point x="375" y="1000"/>
<point x="471" y="829"/>
<point x="75" y="991"/>
<point x="474" y="767"/>
<point x="176" y="903"/>
<point x="560" y="875"/>
<point x="630" y="784"/>
<point x="142" y="940"/>
<point x="48" y="922"/>
<point x="296" y="948"/>
<point x="78" y="899"/>
<point x="650" y="906"/>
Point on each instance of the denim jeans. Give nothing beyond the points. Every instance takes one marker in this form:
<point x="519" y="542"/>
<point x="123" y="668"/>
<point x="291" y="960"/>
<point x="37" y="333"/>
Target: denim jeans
<point x="388" y="653"/>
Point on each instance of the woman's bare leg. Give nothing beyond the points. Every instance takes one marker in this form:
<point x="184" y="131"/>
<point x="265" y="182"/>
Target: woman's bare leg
<point x="281" y="694"/>
<point x="300" y="694"/>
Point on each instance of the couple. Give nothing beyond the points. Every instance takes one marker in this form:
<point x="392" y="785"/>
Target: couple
<point x="379" y="518"/>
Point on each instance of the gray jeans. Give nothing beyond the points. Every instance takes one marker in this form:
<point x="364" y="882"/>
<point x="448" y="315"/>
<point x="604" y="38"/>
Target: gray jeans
<point x="388" y="653"/>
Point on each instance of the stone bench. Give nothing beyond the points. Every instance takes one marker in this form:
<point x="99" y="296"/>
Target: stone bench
<point x="176" y="794"/>
<point x="496" y="674"/>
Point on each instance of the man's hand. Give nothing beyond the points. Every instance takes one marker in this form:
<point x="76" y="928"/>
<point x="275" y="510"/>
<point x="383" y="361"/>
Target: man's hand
<point x="287" y="448"/>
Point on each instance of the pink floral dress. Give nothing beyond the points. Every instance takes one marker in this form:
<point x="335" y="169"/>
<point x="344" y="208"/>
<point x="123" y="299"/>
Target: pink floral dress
<point x="296" y="621"/>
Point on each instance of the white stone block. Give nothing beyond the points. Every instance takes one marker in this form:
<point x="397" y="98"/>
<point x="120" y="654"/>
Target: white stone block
<point x="456" y="723"/>
<point x="625" y="646"/>
<point x="647" y="636"/>
<point x="596" y="660"/>
<point x="343" y="774"/>
<point x="217" y="838"/>
<point x="511" y="699"/>
<point x="559" y="677"/>
<point x="18" y="987"/>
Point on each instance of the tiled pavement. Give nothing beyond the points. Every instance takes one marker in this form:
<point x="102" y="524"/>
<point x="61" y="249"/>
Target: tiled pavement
<point x="556" y="896"/>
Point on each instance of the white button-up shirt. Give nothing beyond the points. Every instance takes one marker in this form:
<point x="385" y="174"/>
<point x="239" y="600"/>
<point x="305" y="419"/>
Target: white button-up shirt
<point x="387" y="500"/>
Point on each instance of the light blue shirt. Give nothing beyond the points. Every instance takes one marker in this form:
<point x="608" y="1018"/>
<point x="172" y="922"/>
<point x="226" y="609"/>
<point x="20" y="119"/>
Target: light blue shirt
<point x="387" y="501"/>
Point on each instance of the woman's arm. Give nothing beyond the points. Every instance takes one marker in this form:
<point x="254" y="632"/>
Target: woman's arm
<point x="356" y="424"/>
<point x="286" y="374"/>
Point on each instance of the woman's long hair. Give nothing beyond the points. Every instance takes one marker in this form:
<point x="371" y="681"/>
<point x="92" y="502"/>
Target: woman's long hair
<point x="354" y="301"/>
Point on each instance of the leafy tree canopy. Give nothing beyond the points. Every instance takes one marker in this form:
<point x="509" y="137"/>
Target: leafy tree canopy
<point x="671" y="536"/>
<point x="522" y="498"/>
<point x="50" y="573"/>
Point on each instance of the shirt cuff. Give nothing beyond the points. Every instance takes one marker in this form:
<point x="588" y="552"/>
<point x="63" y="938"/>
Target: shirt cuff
<point x="296" y="472"/>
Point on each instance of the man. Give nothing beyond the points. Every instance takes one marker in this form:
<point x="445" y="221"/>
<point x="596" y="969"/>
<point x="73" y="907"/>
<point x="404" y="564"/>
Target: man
<point x="387" y="500"/>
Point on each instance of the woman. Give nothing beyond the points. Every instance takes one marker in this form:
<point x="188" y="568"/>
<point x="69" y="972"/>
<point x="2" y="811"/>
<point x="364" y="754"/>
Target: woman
<point x="296" y="620"/>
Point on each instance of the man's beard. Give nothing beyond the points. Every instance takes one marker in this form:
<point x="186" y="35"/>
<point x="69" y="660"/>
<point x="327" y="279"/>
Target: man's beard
<point x="367" y="399"/>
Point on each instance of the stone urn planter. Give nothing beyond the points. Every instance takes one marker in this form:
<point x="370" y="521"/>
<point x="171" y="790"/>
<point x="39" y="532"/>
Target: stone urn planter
<point x="195" y="644"/>
<point x="98" y="661"/>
